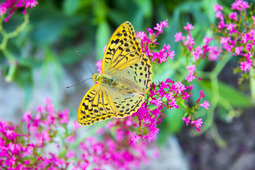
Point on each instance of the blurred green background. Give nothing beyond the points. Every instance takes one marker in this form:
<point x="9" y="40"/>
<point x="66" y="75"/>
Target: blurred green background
<point x="46" y="56"/>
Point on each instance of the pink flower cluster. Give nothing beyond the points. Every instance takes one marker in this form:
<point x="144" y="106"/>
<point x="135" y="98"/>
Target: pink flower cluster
<point x="198" y="53"/>
<point x="163" y="95"/>
<point x="197" y="123"/>
<point x="29" y="144"/>
<point x="147" y="40"/>
<point x="237" y="39"/>
<point x="11" y="6"/>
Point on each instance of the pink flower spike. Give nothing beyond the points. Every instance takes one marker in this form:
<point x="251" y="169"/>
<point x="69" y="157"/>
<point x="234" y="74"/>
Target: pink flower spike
<point x="217" y="7"/>
<point x="178" y="37"/>
<point x="186" y="120"/>
<point x="206" y="105"/>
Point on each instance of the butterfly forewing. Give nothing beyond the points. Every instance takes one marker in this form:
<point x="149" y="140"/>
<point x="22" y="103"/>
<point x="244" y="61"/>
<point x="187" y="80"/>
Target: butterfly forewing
<point x="122" y="50"/>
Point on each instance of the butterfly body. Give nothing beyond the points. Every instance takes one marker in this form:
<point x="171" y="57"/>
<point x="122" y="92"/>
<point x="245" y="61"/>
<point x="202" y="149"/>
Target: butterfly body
<point x="126" y="77"/>
<point x="108" y="81"/>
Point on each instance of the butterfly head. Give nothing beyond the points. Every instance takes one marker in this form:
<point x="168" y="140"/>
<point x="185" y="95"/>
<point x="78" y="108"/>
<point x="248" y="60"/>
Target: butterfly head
<point x="95" y="77"/>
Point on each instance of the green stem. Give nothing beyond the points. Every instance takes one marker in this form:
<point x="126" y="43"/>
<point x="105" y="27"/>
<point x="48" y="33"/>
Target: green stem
<point x="213" y="76"/>
<point x="252" y="84"/>
<point x="3" y="45"/>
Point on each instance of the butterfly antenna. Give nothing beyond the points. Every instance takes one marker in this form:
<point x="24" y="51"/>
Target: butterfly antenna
<point x="85" y="62"/>
<point x="78" y="83"/>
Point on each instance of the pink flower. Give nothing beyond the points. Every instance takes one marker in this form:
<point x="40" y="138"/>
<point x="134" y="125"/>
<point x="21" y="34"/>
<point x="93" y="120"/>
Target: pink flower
<point x="159" y="27"/>
<point x="45" y="136"/>
<point x="180" y="87"/>
<point x="186" y="120"/>
<point x="214" y="53"/>
<point x="156" y="102"/>
<point x="150" y="32"/>
<point x="201" y="96"/>
<point x="188" y="27"/>
<point x="206" y="105"/>
<point x="27" y="117"/>
<point x="231" y="28"/>
<point x="222" y="24"/>
<point x="64" y="116"/>
<point x="217" y="8"/>
<point x="233" y="16"/>
<point x="189" y="42"/>
<point x="198" y="123"/>
<point x="245" y="66"/>
<point x="238" y="50"/>
<point x="198" y="51"/>
<point x="70" y="154"/>
<point x="207" y="40"/>
<point x="219" y="15"/>
<point x="76" y="126"/>
<point x="191" y="69"/>
<point x="12" y="5"/>
<point x="239" y="5"/>
<point x="70" y="139"/>
<point x="178" y="37"/>
<point x="135" y="138"/>
<point x="99" y="66"/>
<point x="40" y="109"/>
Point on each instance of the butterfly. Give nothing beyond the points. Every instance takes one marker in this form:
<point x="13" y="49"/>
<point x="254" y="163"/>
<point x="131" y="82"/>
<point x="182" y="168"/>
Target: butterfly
<point x="126" y="77"/>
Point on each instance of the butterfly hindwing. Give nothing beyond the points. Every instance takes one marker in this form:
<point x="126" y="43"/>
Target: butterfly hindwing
<point x="126" y="104"/>
<point x="122" y="50"/>
<point x="95" y="106"/>
<point x="138" y="76"/>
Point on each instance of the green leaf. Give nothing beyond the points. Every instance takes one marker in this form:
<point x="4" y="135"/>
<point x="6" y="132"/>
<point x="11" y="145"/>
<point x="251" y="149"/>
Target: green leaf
<point x="52" y="71"/>
<point x="174" y="119"/>
<point x="71" y="6"/>
<point x="229" y="94"/>
<point x="102" y="38"/>
<point x="145" y="7"/>
<point x="24" y="78"/>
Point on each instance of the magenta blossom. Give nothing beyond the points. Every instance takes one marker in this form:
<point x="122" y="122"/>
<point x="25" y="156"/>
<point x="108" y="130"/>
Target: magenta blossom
<point x="12" y="5"/>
